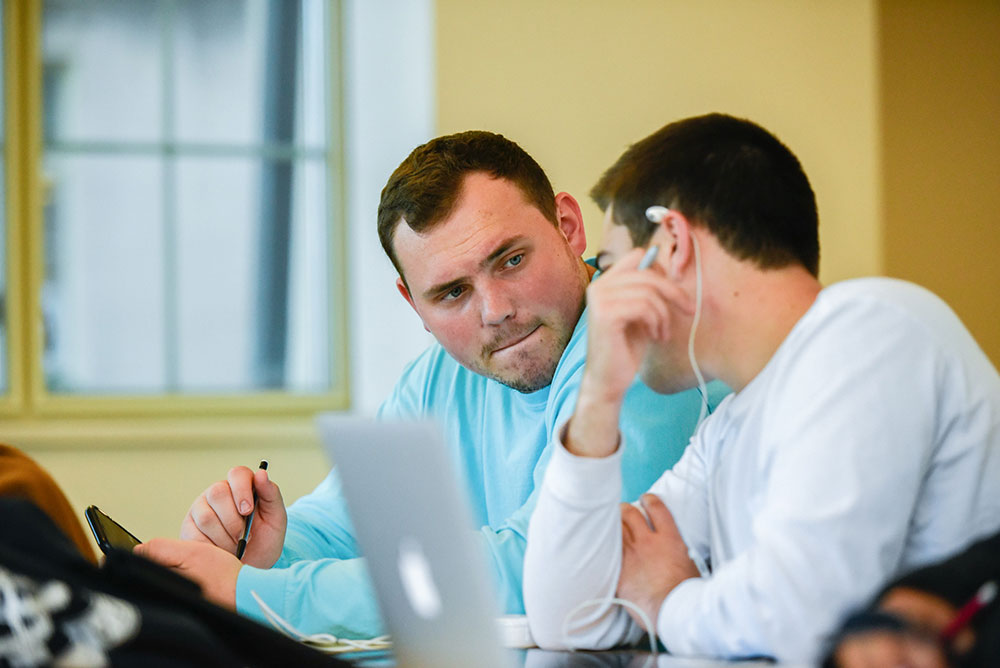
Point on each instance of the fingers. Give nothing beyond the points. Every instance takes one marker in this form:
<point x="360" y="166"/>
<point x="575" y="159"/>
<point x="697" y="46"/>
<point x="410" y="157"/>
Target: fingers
<point x="634" y="521"/>
<point x="189" y="528"/>
<point x="628" y="535"/>
<point x="217" y="515"/>
<point x="650" y="515"/>
<point x="635" y="301"/>
<point x="660" y="518"/>
<point x="627" y="262"/>
<point x="203" y="523"/>
<point x="241" y="487"/>
<point x="655" y="277"/>
<point x="632" y="301"/>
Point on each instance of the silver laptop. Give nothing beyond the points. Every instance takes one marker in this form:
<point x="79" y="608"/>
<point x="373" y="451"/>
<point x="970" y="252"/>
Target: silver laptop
<point x="415" y="528"/>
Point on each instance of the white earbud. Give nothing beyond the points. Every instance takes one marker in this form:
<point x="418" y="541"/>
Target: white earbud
<point x="656" y="213"/>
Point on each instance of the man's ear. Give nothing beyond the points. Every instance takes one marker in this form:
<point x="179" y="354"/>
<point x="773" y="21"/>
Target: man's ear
<point x="405" y="292"/>
<point x="570" y="221"/>
<point x="679" y="234"/>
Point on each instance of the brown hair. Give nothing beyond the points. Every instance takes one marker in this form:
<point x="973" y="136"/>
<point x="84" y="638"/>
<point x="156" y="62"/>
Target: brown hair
<point x="425" y="187"/>
<point x="728" y="174"/>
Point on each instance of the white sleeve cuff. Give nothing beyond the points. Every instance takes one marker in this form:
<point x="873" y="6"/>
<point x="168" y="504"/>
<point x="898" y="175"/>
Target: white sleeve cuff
<point x="583" y="482"/>
<point x="674" y="612"/>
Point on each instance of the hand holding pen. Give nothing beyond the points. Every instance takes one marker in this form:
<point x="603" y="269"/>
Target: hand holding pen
<point x="228" y="511"/>
<point x="241" y="545"/>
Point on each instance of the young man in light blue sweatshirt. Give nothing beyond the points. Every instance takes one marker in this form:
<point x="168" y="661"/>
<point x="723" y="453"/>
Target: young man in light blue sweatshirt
<point x="489" y="258"/>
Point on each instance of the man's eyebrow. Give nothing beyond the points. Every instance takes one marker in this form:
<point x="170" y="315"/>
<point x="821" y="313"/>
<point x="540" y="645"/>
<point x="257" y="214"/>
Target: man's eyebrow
<point x="500" y="251"/>
<point x="442" y="288"/>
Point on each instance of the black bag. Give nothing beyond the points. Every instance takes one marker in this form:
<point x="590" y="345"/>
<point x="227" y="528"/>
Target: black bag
<point x="58" y="608"/>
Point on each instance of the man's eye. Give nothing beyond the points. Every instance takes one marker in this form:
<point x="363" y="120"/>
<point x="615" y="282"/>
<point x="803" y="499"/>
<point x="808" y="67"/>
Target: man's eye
<point x="515" y="260"/>
<point x="454" y="293"/>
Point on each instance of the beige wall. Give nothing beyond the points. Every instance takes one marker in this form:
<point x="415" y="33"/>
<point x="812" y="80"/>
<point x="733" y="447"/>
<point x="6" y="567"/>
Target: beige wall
<point x="940" y="66"/>
<point x="575" y="81"/>
<point x="896" y="101"/>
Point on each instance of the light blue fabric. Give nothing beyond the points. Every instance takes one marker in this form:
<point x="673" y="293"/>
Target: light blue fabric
<point x="499" y="440"/>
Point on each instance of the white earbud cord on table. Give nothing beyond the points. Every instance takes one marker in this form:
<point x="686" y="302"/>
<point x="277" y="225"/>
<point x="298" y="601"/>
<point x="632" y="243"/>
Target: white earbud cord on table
<point x="323" y="642"/>
<point x="625" y="603"/>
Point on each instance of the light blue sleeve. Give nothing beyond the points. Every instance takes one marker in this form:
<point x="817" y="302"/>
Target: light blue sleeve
<point x="315" y="596"/>
<point x="319" y="584"/>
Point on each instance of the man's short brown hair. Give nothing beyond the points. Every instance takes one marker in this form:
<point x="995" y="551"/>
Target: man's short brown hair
<point x="425" y="187"/>
<point x="727" y="174"/>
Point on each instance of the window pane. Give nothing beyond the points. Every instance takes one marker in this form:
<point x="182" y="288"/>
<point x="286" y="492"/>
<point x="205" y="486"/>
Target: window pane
<point x="104" y="294"/>
<point x="257" y="45"/>
<point x="103" y="66"/>
<point x="187" y="247"/>
<point x="232" y="299"/>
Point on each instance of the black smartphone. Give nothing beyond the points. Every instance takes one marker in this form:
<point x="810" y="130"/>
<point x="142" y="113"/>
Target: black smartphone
<point x="109" y="533"/>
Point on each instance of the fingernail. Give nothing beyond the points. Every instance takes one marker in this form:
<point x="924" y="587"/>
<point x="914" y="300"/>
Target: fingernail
<point x="245" y="506"/>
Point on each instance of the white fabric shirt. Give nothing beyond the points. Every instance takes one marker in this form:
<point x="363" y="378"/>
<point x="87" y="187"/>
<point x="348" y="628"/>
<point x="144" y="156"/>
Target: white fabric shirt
<point x="868" y="445"/>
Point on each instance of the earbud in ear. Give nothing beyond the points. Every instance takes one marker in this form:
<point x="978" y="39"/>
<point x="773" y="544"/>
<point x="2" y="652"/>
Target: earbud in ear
<point x="656" y="214"/>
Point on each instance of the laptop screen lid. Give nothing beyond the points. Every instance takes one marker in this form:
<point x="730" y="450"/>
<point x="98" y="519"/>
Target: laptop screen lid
<point x="415" y="528"/>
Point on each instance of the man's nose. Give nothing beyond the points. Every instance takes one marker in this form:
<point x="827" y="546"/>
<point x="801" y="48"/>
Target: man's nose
<point x="496" y="305"/>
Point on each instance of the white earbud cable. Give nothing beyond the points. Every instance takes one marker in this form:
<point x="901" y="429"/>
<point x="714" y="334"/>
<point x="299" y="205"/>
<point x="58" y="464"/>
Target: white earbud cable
<point x="323" y="642"/>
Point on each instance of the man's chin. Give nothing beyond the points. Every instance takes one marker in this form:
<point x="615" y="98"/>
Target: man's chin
<point x="666" y="384"/>
<point x="525" y="384"/>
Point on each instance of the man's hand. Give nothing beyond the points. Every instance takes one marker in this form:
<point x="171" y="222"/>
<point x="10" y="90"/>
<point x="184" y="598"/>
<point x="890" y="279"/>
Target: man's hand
<point x="218" y="516"/>
<point x="654" y="557"/>
<point x="916" y="646"/>
<point x="214" y="569"/>
<point x="888" y="649"/>
<point x="627" y="310"/>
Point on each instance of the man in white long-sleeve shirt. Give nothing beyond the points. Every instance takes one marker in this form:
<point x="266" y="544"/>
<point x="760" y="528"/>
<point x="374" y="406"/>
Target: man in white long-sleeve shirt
<point x="862" y="438"/>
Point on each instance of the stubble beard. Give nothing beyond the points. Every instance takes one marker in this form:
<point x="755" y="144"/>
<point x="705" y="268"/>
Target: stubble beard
<point x="540" y="366"/>
<point x="532" y="370"/>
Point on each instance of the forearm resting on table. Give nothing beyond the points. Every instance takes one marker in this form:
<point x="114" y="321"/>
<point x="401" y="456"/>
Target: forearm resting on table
<point x="574" y="555"/>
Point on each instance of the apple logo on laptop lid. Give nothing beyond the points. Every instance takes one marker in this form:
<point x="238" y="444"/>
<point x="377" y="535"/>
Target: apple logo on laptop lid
<point x="418" y="582"/>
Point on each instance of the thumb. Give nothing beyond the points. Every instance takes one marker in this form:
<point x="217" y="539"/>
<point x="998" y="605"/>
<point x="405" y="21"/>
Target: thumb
<point x="164" y="551"/>
<point x="268" y="493"/>
<point x="659" y="515"/>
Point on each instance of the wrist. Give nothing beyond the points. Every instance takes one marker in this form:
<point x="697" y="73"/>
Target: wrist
<point x="593" y="429"/>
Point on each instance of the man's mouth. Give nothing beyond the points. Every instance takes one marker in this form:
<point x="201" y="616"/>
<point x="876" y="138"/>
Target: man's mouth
<point x="510" y="343"/>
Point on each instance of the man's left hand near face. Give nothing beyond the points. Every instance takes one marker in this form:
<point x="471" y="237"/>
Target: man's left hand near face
<point x="214" y="569"/>
<point x="654" y="557"/>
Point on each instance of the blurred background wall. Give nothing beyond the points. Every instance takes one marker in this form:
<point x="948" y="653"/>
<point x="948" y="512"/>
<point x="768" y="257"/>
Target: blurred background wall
<point x="891" y="105"/>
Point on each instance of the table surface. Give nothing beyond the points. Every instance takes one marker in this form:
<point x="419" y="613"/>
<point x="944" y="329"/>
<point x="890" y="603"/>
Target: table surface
<point x="536" y="658"/>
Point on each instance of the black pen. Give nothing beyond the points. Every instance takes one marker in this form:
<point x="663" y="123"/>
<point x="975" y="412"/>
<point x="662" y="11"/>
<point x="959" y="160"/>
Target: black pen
<point x="241" y="545"/>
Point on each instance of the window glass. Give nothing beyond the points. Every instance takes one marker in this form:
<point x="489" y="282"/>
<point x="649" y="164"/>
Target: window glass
<point x="103" y="65"/>
<point x="103" y="302"/>
<point x="187" y="215"/>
